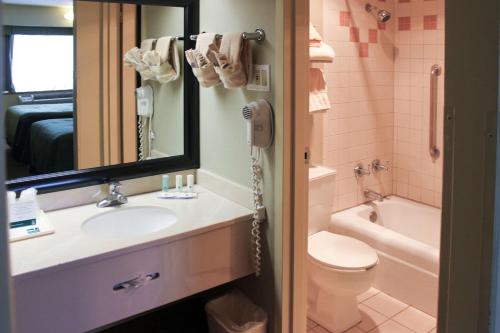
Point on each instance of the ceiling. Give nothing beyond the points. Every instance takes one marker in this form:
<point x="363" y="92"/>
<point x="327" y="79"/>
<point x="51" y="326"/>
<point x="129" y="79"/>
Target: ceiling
<point x="40" y="2"/>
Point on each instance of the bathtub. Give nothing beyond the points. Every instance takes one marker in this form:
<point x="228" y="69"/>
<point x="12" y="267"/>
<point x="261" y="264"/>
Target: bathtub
<point x="406" y="235"/>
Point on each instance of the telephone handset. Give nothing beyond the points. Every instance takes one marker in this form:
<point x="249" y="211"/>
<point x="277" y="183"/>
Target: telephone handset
<point x="145" y="110"/>
<point x="144" y="97"/>
<point x="260" y="134"/>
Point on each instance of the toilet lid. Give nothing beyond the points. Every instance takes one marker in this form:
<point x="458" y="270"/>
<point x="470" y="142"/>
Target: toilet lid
<point x="341" y="252"/>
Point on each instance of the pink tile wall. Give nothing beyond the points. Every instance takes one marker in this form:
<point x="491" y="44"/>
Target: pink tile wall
<point x="379" y="89"/>
<point x="361" y="88"/>
<point x="416" y="176"/>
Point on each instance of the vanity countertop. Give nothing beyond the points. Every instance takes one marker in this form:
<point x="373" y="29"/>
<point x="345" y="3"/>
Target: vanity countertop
<point x="70" y="246"/>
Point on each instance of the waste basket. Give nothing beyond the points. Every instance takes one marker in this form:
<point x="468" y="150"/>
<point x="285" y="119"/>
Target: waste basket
<point x="234" y="313"/>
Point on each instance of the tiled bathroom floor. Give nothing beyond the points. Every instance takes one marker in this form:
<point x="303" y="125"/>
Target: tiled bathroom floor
<point x="381" y="313"/>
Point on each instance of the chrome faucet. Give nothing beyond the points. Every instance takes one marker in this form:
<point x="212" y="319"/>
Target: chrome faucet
<point x="114" y="198"/>
<point x="372" y="195"/>
<point x="360" y="170"/>
<point x="377" y="166"/>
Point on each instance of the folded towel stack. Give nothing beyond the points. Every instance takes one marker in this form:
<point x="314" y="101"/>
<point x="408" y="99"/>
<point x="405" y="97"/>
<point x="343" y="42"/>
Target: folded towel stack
<point x="229" y="62"/>
<point x="202" y="61"/>
<point x="319" y="51"/>
<point x="156" y="60"/>
<point x="318" y="92"/>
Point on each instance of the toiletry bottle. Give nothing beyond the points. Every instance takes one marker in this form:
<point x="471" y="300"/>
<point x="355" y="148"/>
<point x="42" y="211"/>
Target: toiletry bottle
<point x="165" y="183"/>
<point x="190" y="183"/>
<point x="178" y="183"/>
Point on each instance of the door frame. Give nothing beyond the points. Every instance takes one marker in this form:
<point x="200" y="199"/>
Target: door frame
<point x="296" y="185"/>
<point x="6" y="307"/>
<point x="469" y="164"/>
<point x="470" y="131"/>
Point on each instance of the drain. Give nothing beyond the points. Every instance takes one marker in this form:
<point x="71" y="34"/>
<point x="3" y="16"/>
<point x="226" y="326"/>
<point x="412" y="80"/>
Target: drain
<point x="373" y="217"/>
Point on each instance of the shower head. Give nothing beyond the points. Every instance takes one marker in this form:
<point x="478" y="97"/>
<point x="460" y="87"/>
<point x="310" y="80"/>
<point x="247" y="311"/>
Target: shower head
<point x="382" y="15"/>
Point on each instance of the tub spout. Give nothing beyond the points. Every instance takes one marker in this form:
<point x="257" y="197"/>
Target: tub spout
<point x="372" y="195"/>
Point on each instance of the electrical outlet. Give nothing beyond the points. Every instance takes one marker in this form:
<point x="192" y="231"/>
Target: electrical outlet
<point x="260" y="80"/>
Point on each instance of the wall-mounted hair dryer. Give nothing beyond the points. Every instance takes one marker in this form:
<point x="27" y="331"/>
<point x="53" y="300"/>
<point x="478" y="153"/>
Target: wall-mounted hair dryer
<point x="260" y="126"/>
<point x="260" y="134"/>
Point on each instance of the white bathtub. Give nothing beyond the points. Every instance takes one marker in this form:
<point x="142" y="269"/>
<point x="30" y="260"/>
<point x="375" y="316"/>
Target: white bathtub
<point x="406" y="236"/>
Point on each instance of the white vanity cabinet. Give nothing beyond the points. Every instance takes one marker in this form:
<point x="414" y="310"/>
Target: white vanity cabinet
<point x="79" y="297"/>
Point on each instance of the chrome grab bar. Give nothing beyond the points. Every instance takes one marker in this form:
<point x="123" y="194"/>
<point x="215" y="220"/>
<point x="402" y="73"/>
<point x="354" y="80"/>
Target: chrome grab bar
<point x="433" y="150"/>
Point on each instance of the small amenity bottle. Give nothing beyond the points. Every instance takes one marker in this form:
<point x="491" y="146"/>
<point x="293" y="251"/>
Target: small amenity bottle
<point x="165" y="183"/>
<point x="190" y="183"/>
<point x="178" y="183"/>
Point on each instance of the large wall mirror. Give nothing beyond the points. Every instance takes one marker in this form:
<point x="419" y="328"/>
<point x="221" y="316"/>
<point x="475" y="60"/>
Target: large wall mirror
<point x="97" y="90"/>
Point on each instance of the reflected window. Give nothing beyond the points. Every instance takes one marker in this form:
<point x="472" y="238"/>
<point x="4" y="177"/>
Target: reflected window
<point x="42" y="63"/>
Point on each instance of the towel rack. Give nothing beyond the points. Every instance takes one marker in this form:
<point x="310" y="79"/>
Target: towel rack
<point x="259" y="35"/>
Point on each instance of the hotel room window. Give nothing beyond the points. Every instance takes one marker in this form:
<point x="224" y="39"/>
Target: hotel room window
<point x="50" y="68"/>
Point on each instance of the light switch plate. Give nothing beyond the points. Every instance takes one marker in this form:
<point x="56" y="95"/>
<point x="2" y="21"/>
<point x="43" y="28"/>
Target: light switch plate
<point x="261" y="79"/>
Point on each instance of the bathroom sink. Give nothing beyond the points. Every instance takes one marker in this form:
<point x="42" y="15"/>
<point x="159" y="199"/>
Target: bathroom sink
<point x="130" y="222"/>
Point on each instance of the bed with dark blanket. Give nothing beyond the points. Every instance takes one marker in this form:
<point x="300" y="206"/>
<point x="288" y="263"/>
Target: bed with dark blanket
<point x="51" y="146"/>
<point x="18" y="121"/>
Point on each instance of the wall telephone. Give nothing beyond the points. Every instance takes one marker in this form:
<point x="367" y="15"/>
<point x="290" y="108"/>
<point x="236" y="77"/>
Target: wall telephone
<point x="260" y="134"/>
<point x="145" y="111"/>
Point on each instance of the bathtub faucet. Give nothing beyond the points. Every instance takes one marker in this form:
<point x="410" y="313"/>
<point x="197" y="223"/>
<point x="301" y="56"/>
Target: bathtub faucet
<point x="372" y="195"/>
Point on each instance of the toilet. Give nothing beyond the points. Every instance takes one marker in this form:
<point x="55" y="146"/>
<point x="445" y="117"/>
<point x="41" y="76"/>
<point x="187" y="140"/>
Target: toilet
<point x="339" y="267"/>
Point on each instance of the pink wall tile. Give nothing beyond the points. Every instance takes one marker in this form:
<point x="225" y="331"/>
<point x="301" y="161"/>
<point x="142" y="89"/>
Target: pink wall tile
<point x="363" y="50"/>
<point x="430" y="22"/>
<point x="354" y="34"/>
<point x="404" y="23"/>
<point x="345" y="18"/>
<point x="373" y="36"/>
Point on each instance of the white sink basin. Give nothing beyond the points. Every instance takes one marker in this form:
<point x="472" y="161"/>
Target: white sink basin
<point x="130" y="222"/>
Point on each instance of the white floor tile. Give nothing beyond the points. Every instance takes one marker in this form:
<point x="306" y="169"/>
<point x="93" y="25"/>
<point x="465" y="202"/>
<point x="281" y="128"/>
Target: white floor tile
<point x="354" y="330"/>
<point x="311" y="324"/>
<point x="385" y="304"/>
<point x="417" y="320"/>
<point x="319" y="329"/>
<point x="370" y="318"/>
<point x="390" y="327"/>
<point x="370" y="293"/>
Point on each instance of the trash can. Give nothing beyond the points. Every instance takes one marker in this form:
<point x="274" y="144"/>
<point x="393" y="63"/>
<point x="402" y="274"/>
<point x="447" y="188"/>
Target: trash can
<point x="234" y="313"/>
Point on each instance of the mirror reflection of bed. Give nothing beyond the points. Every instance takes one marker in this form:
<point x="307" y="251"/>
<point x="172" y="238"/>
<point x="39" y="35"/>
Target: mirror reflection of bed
<point x="39" y="136"/>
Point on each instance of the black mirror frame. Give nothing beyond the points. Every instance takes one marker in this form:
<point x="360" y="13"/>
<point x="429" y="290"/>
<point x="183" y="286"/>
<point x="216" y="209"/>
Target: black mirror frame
<point x="191" y="158"/>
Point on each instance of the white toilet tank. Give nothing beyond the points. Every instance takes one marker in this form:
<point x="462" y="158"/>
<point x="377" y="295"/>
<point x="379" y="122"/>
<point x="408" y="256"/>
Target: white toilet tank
<point x="321" y="192"/>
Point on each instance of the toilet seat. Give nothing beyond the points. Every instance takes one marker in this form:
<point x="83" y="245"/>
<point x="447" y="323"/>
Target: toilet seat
<point x="341" y="252"/>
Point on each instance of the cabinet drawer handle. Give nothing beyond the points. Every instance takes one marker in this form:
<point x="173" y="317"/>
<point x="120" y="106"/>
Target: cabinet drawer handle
<point x="137" y="282"/>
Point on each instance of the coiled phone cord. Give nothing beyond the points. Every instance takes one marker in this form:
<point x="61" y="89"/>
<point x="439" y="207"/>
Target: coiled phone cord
<point x="258" y="206"/>
<point x="141" y="126"/>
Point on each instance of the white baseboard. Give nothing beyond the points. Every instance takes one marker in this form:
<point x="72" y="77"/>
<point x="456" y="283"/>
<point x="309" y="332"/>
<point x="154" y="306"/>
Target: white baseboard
<point x="225" y="188"/>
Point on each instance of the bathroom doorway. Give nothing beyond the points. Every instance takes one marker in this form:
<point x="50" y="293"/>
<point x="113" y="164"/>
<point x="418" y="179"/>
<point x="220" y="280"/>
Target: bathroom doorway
<point x="375" y="139"/>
